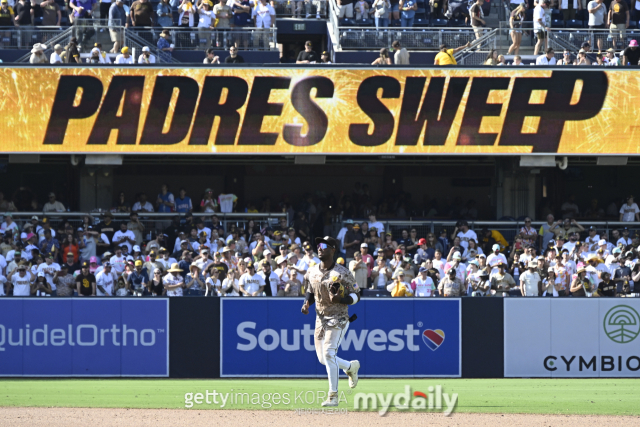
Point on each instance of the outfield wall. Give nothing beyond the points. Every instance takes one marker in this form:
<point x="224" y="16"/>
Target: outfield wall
<point x="234" y="337"/>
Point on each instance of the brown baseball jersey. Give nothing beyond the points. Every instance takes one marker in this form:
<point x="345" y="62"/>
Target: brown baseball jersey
<point x="319" y="281"/>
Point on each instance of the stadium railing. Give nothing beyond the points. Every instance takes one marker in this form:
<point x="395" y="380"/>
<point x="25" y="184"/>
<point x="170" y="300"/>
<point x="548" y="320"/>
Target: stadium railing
<point x="569" y="38"/>
<point x="301" y="8"/>
<point x="509" y="229"/>
<point x="25" y="37"/>
<point x="149" y="220"/>
<point x="193" y="38"/>
<point x="367" y="38"/>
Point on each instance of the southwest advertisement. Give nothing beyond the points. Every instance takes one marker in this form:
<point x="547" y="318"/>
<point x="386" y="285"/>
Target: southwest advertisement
<point x="390" y="338"/>
<point x="569" y="337"/>
<point x="319" y="111"/>
<point x="65" y="337"/>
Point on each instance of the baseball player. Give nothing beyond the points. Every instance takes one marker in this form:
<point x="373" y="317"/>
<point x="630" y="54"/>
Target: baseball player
<point x="333" y="288"/>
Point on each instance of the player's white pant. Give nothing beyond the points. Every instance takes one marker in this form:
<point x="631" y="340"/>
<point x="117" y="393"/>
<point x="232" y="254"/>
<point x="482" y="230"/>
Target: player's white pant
<point x="327" y="350"/>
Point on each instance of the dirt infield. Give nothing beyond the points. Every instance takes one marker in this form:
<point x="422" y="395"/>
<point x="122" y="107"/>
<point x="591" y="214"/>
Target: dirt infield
<point x="34" y="417"/>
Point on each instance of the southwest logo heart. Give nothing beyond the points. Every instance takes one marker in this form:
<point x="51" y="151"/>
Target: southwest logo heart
<point x="433" y="339"/>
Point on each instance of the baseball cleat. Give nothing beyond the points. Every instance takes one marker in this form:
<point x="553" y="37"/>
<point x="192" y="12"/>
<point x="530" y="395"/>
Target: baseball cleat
<point x="352" y="373"/>
<point x="332" y="400"/>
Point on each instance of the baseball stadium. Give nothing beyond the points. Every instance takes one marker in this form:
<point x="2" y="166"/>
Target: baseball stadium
<point x="259" y="212"/>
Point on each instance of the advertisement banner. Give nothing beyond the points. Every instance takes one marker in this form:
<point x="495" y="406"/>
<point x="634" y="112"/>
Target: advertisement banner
<point x="84" y="337"/>
<point x="400" y="337"/>
<point x="318" y="111"/>
<point x="571" y="337"/>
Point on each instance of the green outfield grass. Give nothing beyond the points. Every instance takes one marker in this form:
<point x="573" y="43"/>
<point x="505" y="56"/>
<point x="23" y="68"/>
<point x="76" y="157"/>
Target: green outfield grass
<point x="536" y="396"/>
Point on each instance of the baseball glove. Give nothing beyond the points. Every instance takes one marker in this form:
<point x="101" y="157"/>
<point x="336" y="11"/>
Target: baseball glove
<point x="336" y="288"/>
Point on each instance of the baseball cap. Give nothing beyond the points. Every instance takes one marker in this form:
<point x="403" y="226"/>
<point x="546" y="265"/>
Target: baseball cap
<point x="456" y="255"/>
<point x="452" y="271"/>
<point x="136" y="248"/>
<point x="592" y="228"/>
<point x="585" y="44"/>
<point x="349" y="221"/>
<point x="106" y="254"/>
<point x="266" y="252"/>
<point x="138" y="263"/>
<point x="250" y="264"/>
<point x="106" y="264"/>
<point x="35" y="216"/>
<point x="17" y="253"/>
<point x="633" y="43"/>
<point x="146" y="49"/>
<point x="85" y="264"/>
<point x="495" y="247"/>
<point x="356" y="225"/>
<point x="30" y="235"/>
<point x="532" y="264"/>
<point x="422" y="269"/>
<point x="602" y="242"/>
<point x="398" y="251"/>
<point x="422" y="241"/>
<point x="69" y="253"/>
<point x="280" y="259"/>
<point x="329" y="241"/>
<point x="364" y="245"/>
<point x="93" y="259"/>
<point x="482" y="256"/>
<point x="22" y="267"/>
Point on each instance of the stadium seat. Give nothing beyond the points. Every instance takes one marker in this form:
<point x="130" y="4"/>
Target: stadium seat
<point x="632" y="25"/>
<point x="582" y="15"/>
<point x="574" y="23"/>
<point x="421" y="22"/>
<point x="364" y="23"/>
<point x="528" y="15"/>
<point x="439" y="22"/>
<point x="557" y="23"/>
<point x="346" y="22"/>
<point x="556" y="14"/>
<point x="395" y="23"/>
<point x="421" y="11"/>
<point x="456" y="23"/>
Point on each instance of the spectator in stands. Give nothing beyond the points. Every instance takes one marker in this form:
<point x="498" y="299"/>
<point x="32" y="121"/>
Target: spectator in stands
<point x="264" y="16"/>
<point x="324" y="58"/>
<point x="547" y="59"/>
<point x="408" y="12"/>
<point x="540" y="25"/>
<point x="569" y="7"/>
<point x="211" y="57"/>
<point x="629" y="211"/>
<point x="37" y="54"/>
<point x="96" y="57"/>
<point x="401" y="57"/>
<point x="241" y="18"/>
<point x="567" y="59"/>
<point x="308" y="55"/>
<point x="380" y="10"/>
<point x="597" y="12"/>
<point x="492" y="58"/>
<point x="124" y="57"/>
<point x="165" y="45"/>
<point x="445" y="56"/>
<point x="517" y="60"/>
<point x="52" y="205"/>
<point x="55" y="56"/>
<point x="83" y="10"/>
<point x="7" y="19"/>
<point x="383" y="59"/>
<point x="501" y="282"/>
<point x="141" y="13"/>
<point x="206" y="19"/>
<point x="24" y="18"/>
<point x="631" y="55"/>
<point x="618" y="19"/>
<point x="610" y="60"/>
<point x="477" y="19"/>
<point x="164" y="13"/>
<point x="222" y="13"/>
<point x="361" y="8"/>
<point x="173" y="281"/>
<point x="117" y="18"/>
<point x="516" y="18"/>
<point x="146" y="57"/>
<point x="233" y="58"/>
<point x="582" y="58"/>
<point x="51" y="14"/>
<point x="346" y="8"/>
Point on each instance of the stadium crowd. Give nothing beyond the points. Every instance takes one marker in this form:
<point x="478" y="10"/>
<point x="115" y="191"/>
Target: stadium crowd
<point x="188" y="256"/>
